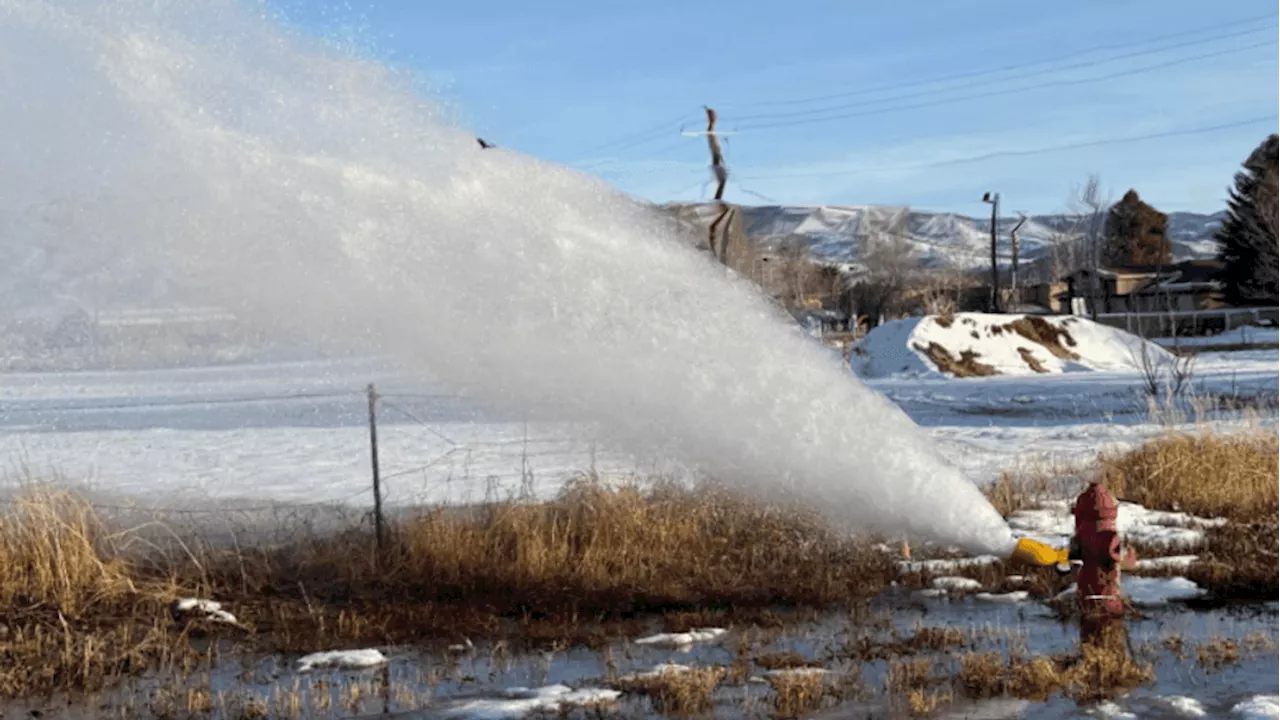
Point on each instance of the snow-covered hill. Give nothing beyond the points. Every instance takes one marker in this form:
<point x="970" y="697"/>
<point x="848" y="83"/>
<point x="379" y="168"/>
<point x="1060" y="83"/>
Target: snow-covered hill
<point x="835" y="232"/>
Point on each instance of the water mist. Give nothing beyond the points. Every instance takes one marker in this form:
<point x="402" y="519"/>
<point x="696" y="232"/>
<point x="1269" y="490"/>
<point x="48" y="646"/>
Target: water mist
<point x="315" y="193"/>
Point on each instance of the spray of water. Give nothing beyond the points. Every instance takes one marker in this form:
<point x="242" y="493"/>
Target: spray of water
<point x="317" y="193"/>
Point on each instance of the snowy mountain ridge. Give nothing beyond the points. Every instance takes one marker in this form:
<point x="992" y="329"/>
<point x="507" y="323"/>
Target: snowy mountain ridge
<point x="835" y="232"/>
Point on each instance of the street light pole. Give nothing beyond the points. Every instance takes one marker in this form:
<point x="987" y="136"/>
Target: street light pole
<point x="994" y="200"/>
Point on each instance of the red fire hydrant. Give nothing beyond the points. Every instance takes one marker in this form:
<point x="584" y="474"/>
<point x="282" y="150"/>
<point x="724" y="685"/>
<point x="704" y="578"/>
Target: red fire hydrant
<point x="1096" y="545"/>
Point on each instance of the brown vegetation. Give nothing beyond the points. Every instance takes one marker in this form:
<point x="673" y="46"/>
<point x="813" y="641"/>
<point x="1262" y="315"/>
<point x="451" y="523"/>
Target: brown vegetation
<point x="1093" y="674"/>
<point x="1212" y="475"/>
<point x="678" y="691"/>
<point x="83" y="605"/>
<point x="966" y="365"/>
<point x="1055" y="339"/>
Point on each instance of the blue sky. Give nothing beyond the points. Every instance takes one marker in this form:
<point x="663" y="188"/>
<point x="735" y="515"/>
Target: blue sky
<point x="607" y="86"/>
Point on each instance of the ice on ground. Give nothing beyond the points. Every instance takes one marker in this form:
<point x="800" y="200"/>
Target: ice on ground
<point x="931" y="593"/>
<point x="206" y="609"/>
<point x="1009" y="598"/>
<point x="684" y="639"/>
<point x="1156" y="592"/>
<point x="1182" y="705"/>
<point x="521" y="702"/>
<point x="657" y="671"/>
<point x="790" y="672"/>
<point x="1178" y="563"/>
<point x="1111" y="711"/>
<point x="1065" y="344"/>
<point x="1052" y="522"/>
<point x="954" y="583"/>
<point x="907" y="567"/>
<point x="1258" y="707"/>
<point x="341" y="660"/>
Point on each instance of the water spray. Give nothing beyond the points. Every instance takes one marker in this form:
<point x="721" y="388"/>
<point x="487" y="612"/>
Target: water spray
<point x="320" y="195"/>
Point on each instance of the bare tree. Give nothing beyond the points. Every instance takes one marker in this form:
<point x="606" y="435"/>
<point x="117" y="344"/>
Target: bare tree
<point x="890" y="263"/>
<point x="1090" y="207"/>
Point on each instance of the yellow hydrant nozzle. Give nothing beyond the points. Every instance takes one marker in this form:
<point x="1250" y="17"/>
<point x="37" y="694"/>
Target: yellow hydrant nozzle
<point x="1031" y="552"/>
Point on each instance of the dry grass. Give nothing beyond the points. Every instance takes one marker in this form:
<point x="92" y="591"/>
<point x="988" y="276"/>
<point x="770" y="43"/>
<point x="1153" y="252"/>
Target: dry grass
<point x="967" y="365"/>
<point x="684" y="691"/>
<point x="1097" y="672"/>
<point x="907" y="675"/>
<point x="921" y="703"/>
<point x="1232" y="476"/>
<point x="1241" y="561"/>
<point x="797" y="693"/>
<point x="1218" y="653"/>
<point x="84" y="605"/>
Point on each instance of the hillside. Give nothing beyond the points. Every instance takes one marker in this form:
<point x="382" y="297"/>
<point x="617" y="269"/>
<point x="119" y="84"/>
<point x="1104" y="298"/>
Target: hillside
<point x="833" y="232"/>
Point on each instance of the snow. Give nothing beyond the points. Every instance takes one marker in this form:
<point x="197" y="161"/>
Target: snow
<point x="521" y="702"/>
<point x="684" y="639"/>
<point x="791" y="672"/>
<point x="341" y="660"/>
<point x="207" y="609"/>
<point x="898" y="347"/>
<point x="1111" y="711"/>
<point x="1010" y="598"/>
<point x="1157" y="592"/>
<point x="953" y="583"/>
<point x="1182" y="705"/>
<point x="1245" y="335"/>
<point x="1258" y="707"/>
<point x="1176" y="563"/>
<point x="1053" y="523"/>
<point x="657" y="671"/>
<point x="945" y="564"/>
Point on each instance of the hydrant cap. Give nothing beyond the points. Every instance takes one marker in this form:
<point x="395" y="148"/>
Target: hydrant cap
<point x="1096" y="504"/>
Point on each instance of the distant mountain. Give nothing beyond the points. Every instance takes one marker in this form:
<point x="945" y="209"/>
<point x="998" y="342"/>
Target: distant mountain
<point x="834" y="233"/>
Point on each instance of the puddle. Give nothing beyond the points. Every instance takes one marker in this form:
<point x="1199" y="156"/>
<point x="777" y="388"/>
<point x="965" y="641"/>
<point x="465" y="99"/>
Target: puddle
<point x="487" y="682"/>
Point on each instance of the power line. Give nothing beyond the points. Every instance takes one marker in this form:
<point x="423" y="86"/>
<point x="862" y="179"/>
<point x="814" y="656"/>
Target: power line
<point x="1023" y="153"/>
<point x="639" y="138"/>
<point x="178" y="403"/>
<point x="1002" y="69"/>
<point x="1010" y="91"/>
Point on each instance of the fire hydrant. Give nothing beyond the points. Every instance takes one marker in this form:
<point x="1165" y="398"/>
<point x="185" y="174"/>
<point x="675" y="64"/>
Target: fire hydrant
<point x="1096" y="546"/>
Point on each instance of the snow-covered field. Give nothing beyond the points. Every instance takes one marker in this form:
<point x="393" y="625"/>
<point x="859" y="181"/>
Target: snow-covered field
<point x="297" y="432"/>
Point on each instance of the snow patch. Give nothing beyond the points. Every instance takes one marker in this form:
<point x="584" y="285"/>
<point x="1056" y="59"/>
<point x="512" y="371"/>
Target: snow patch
<point x="1156" y="592"/>
<point x="900" y="347"/>
<point x="1178" y="563"/>
<point x="1182" y="705"/>
<point x="945" y="564"/>
<point x="520" y="702"/>
<point x="1111" y="711"/>
<point x="1258" y="707"/>
<point x="791" y="672"/>
<point x="341" y="660"/>
<point x="953" y="583"/>
<point x="657" y="671"/>
<point x="1052" y="522"/>
<point x="1009" y="598"/>
<point x="210" y="610"/>
<point x="684" y="639"/>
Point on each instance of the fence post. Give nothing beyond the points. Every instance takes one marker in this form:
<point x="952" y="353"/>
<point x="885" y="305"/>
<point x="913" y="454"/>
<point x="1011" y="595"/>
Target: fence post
<point x="373" y="458"/>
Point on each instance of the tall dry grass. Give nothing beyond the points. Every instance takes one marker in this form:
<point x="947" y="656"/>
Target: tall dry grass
<point x="1216" y="475"/>
<point x="594" y="550"/>
<point x="558" y="569"/>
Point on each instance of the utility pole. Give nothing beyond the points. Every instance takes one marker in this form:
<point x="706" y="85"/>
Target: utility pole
<point x="379" y="531"/>
<point x="1013" y="274"/>
<point x="994" y="200"/>
<point x="721" y="174"/>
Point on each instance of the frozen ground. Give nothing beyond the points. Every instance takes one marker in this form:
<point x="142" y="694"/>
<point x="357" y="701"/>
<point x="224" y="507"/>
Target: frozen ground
<point x="297" y="432"/>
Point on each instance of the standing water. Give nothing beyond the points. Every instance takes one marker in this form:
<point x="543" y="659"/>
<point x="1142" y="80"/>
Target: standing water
<point x="318" y="195"/>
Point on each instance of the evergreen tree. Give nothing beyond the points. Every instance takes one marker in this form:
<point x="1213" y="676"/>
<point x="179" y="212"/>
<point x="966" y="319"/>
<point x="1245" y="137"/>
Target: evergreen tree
<point x="1247" y="243"/>
<point x="1135" y="234"/>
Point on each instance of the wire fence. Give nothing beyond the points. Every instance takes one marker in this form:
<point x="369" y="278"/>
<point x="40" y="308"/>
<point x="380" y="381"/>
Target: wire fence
<point x="421" y="460"/>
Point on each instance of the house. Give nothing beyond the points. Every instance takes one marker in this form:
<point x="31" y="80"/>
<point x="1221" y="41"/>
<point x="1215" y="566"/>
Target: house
<point x="1176" y="287"/>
